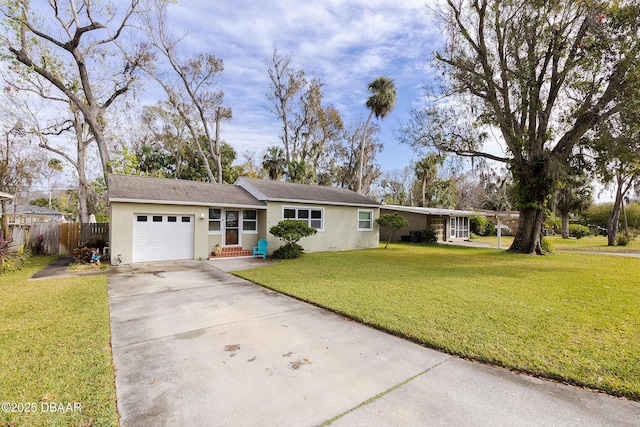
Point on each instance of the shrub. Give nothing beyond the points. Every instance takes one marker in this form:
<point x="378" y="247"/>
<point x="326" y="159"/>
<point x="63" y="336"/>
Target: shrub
<point x="290" y="231"/>
<point x="546" y="245"/>
<point x="578" y="231"/>
<point x="478" y="225"/>
<point x="430" y="236"/>
<point x="482" y="226"/>
<point x="38" y="245"/>
<point x="553" y="224"/>
<point x="623" y="239"/>
<point x="392" y="223"/>
<point x="490" y="229"/>
<point x="288" y="251"/>
<point x="598" y="215"/>
<point x="9" y="261"/>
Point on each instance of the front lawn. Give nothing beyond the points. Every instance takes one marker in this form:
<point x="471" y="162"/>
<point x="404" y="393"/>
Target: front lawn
<point x="585" y="244"/>
<point x="567" y="316"/>
<point x="56" y="367"/>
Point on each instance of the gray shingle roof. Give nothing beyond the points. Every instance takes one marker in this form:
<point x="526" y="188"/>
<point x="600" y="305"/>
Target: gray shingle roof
<point x="32" y="210"/>
<point x="286" y="191"/>
<point x="175" y="191"/>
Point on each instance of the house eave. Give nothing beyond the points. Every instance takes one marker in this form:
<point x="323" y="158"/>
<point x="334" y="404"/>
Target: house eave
<point x="185" y="203"/>
<point x="322" y="202"/>
<point x="429" y="211"/>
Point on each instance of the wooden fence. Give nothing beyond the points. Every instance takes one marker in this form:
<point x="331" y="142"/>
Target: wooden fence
<point x="58" y="239"/>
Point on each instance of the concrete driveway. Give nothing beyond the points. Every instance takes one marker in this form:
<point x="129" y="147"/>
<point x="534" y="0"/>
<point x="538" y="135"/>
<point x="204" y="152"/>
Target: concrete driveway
<point x="196" y="346"/>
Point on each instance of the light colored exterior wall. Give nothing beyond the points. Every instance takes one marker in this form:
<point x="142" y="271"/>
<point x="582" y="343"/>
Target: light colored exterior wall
<point x="419" y="222"/>
<point x="248" y="239"/>
<point x="122" y="218"/>
<point x="121" y="230"/>
<point x="340" y="231"/>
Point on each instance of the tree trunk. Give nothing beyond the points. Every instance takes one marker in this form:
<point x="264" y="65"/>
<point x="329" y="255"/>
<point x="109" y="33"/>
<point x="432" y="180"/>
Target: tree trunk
<point x="362" y="146"/>
<point x="528" y="239"/>
<point x="614" y="218"/>
<point x="533" y="185"/>
<point x="83" y="185"/>
<point x="565" y="225"/>
<point x="98" y="136"/>
<point x="83" y="140"/>
<point x="217" y="152"/>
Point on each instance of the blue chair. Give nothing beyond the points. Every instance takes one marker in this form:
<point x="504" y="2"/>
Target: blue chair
<point x="261" y="249"/>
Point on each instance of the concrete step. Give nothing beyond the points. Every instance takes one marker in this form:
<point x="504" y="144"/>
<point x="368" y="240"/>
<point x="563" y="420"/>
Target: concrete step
<point x="231" y="253"/>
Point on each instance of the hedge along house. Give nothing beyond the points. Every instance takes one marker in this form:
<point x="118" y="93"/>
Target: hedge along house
<point x="155" y="219"/>
<point x="450" y="225"/>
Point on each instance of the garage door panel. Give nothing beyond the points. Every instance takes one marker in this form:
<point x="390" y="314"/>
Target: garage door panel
<point x="162" y="237"/>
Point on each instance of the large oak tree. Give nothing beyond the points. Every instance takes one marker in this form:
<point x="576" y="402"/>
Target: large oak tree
<point x="540" y="72"/>
<point x="79" y="47"/>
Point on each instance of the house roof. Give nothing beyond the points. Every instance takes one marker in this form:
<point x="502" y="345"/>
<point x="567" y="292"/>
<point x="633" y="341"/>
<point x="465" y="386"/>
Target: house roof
<point x="245" y="192"/>
<point x="278" y="191"/>
<point x="499" y="214"/>
<point x="32" y="210"/>
<point x="430" y="211"/>
<point x="4" y="195"/>
<point x="453" y="212"/>
<point x="129" y="188"/>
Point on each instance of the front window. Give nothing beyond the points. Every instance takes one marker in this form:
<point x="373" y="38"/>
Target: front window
<point x="313" y="217"/>
<point x="250" y="221"/>
<point x="215" y="217"/>
<point x="365" y="220"/>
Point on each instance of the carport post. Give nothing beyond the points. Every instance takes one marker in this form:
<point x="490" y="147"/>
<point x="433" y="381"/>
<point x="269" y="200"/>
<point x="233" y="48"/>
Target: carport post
<point x="499" y="231"/>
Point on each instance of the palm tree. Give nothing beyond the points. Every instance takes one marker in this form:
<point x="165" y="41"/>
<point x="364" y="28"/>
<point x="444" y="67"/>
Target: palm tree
<point x="381" y="102"/>
<point x="573" y="195"/>
<point x="274" y="162"/>
<point x="426" y="171"/>
<point x="300" y="172"/>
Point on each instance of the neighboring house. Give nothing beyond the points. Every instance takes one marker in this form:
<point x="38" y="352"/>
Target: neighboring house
<point x="154" y="219"/>
<point x="449" y="224"/>
<point x="31" y="214"/>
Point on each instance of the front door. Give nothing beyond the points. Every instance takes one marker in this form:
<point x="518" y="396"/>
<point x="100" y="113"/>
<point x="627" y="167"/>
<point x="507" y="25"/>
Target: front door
<point x="232" y="229"/>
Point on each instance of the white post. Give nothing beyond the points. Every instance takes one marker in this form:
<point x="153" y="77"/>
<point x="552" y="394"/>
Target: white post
<point x="499" y="231"/>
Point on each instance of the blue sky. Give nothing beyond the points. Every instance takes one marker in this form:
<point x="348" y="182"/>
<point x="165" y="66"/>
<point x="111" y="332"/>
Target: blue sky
<point x="345" y="44"/>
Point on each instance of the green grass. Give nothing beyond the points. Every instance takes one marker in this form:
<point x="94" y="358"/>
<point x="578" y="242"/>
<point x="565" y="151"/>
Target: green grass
<point x="567" y="316"/>
<point x="55" y="346"/>
<point x="586" y="244"/>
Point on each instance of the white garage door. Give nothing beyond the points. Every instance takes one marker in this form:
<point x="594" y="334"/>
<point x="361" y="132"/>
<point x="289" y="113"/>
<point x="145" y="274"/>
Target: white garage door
<point x="162" y="237"/>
